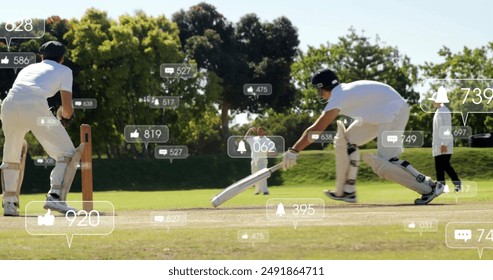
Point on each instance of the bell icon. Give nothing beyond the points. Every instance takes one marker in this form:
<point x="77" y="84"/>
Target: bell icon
<point x="241" y="147"/>
<point x="156" y="102"/>
<point x="280" y="210"/>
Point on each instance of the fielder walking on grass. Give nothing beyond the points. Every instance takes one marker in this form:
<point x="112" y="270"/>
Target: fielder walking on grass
<point x="26" y="109"/>
<point x="443" y="141"/>
<point x="377" y="108"/>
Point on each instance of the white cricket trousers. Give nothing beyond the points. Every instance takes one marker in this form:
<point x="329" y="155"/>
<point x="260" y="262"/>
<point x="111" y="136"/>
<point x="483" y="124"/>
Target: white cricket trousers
<point x="258" y="164"/>
<point x="361" y="133"/>
<point x="21" y="113"/>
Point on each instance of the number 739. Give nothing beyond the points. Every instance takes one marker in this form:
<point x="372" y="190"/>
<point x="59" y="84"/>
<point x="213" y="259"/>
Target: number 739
<point x="478" y="94"/>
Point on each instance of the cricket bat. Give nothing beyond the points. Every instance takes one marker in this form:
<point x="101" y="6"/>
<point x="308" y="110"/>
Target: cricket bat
<point x="240" y="186"/>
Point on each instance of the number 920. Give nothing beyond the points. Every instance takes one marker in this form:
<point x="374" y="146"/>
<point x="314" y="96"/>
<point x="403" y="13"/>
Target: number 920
<point x="90" y="218"/>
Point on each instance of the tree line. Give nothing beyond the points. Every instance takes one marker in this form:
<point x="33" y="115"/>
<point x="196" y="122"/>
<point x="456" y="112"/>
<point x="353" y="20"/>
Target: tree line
<point x="117" y="62"/>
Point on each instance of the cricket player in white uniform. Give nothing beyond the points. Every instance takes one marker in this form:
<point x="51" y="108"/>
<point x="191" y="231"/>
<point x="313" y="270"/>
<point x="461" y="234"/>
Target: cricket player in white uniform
<point x="26" y="109"/>
<point x="443" y="145"/>
<point x="376" y="107"/>
<point x="260" y="146"/>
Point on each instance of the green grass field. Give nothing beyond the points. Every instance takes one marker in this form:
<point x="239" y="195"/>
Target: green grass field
<point x="373" y="228"/>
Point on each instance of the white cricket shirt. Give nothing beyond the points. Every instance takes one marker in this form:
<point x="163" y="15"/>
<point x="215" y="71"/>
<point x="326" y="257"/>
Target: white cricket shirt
<point x="443" y="120"/>
<point x="44" y="79"/>
<point x="372" y="102"/>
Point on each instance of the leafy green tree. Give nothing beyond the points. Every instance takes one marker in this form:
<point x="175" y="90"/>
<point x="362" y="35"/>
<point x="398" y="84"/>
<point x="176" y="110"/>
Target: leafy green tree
<point x="353" y="57"/>
<point x="468" y="64"/>
<point x="249" y="52"/>
<point x="270" y="49"/>
<point x="119" y="66"/>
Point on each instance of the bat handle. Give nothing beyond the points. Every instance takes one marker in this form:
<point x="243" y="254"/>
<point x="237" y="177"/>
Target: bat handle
<point x="275" y="167"/>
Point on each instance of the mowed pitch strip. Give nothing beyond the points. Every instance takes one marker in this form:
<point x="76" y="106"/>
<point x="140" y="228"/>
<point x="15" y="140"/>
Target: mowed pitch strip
<point x="335" y="215"/>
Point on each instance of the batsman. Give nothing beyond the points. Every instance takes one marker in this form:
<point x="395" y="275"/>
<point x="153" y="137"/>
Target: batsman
<point x="376" y="108"/>
<point x="26" y="109"/>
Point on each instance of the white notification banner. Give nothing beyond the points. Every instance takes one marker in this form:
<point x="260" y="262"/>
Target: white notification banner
<point x="253" y="236"/>
<point x="169" y="219"/>
<point x="99" y="221"/>
<point x="295" y="209"/>
<point x="469" y="235"/>
<point x="465" y="96"/>
<point x="27" y="28"/>
<point x="146" y="134"/>
<point x="468" y="189"/>
<point x="421" y="225"/>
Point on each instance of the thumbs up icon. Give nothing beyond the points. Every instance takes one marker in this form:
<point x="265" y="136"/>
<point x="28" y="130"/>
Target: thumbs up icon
<point x="47" y="219"/>
<point x="134" y="134"/>
<point x="4" y="60"/>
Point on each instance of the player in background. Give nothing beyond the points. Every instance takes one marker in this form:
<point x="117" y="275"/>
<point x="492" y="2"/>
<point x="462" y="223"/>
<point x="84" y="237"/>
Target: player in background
<point x="443" y="142"/>
<point x="261" y="147"/>
<point x="26" y="109"/>
<point x="376" y="107"/>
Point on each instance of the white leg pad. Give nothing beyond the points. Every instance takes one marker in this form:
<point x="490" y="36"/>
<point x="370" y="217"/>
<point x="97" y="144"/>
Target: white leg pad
<point x="398" y="174"/>
<point x="12" y="177"/>
<point x="69" y="174"/>
<point x="347" y="161"/>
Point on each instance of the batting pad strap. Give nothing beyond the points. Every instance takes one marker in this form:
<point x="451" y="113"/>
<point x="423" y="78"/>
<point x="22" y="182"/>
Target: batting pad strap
<point x="10" y="165"/>
<point x="419" y="177"/>
<point x="64" y="159"/>
<point x="55" y="189"/>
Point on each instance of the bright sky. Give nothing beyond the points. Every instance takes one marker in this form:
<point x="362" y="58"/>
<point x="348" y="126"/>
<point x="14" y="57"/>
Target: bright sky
<point x="419" y="28"/>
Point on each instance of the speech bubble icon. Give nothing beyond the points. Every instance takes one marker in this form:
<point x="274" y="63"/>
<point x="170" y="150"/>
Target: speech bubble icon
<point x="464" y="96"/>
<point x="252" y="236"/>
<point x="392" y="138"/>
<point x="169" y="219"/>
<point x="462" y="189"/>
<point x="469" y="235"/>
<point x="171" y="152"/>
<point x="295" y="210"/>
<point x="22" y="29"/>
<point x="164" y="102"/>
<point x="421" y="225"/>
<point x="99" y="221"/>
<point x="146" y="134"/>
<point x="176" y="71"/>
<point x="169" y="70"/>
<point x="463" y="234"/>
<point x="159" y="218"/>
<point x="16" y="60"/>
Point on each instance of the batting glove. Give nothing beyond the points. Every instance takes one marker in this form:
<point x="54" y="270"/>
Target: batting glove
<point x="64" y="121"/>
<point x="289" y="159"/>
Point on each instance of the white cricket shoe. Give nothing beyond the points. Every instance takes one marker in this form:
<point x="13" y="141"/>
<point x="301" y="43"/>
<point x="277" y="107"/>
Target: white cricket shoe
<point x="427" y="198"/>
<point x="55" y="204"/>
<point x="347" y="197"/>
<point x="10" y="209"/>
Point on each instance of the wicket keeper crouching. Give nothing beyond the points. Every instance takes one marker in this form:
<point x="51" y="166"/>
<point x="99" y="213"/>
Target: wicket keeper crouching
<point x="26" y="109"/>
<point x="376" y="107"/>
